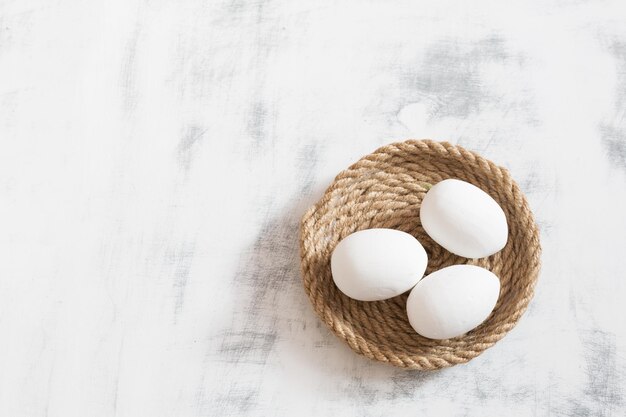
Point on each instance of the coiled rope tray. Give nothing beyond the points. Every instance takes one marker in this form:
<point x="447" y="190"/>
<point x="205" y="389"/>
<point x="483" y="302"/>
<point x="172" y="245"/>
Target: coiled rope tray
<point x="385" y="189"/>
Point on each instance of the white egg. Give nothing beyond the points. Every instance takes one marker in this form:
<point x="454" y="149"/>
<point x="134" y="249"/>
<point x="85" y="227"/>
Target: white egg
<point x="452" y="301"/>
<point x="377" y="264"/>
<point x="464" y="219"/>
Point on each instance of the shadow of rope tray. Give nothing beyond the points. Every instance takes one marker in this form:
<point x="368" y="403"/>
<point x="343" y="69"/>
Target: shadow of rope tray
<point x="385" y="189"/>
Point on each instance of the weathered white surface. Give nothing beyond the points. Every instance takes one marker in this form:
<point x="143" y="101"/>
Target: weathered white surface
<point x="155" y="158"/>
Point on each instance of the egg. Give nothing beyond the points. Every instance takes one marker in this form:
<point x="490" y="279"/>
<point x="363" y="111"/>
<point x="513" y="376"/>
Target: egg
<point x="376" y="264"/>
<point x="452" y="301"/>
<point x="464" y="219"/>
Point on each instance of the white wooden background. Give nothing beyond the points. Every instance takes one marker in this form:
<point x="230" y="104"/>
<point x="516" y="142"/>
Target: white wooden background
<point x="156" y="156"/>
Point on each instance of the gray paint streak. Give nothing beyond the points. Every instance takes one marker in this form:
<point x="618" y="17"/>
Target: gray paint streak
<point x="248" y="346"/>
<point x="449" y="75"/>
<point x="267" y="285"/>
<point x="193" y="135"/>
<point x="182" y="260"/>
<point x="269" y="290"/>
<point x="257" y="122"/>
<point x="128" y="73"/>
<point x="614" y="141"/>
<point x="614" y="133"/>
<point x="601" y="395"/>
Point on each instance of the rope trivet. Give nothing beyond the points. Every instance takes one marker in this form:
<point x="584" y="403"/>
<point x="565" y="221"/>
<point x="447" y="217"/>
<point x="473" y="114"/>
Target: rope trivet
<point x="385" y="189"/>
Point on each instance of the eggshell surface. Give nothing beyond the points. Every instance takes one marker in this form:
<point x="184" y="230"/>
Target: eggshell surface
<point x="452" y="301"/>
<point x="376" y="264"/>
<point x="464" y="219"/>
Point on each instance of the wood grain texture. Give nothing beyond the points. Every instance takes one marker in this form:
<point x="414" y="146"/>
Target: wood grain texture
<point x="156" y="157"/>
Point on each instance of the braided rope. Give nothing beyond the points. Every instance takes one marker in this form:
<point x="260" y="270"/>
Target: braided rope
<point x="385" y="189"/>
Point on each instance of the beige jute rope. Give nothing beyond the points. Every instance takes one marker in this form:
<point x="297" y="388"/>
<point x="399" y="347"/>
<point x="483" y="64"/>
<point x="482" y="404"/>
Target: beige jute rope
<point x="385" y="189"/>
